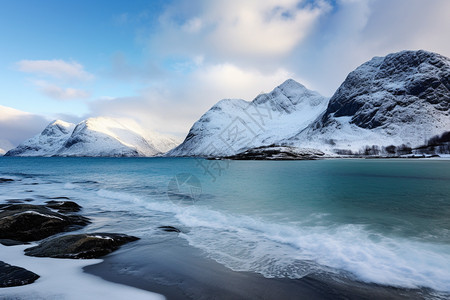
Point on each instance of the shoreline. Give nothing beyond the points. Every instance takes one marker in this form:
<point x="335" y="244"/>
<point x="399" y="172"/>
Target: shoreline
<point x="176" y="270"/>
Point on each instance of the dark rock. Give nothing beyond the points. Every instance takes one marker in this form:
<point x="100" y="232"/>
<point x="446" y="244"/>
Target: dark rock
<point x="18" y="201"/>
<point x="63" y="206"/>
<point x="169" y="229"/>
<point x="59" y="198"/>
<point x="91" y="245"/>
<point x="13" y="201"/>
<point x="274" y="152"/>
<point x="6" y="180"/>
<point x="15" y="276"/>
<point x="7" y="242"/>
<point x="385" y="89"/>
<point x="26" y="222"/>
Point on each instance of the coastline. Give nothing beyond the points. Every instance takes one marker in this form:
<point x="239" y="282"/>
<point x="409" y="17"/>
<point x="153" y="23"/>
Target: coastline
<point x="178" y="271"/>
<point x="164" y="262"/>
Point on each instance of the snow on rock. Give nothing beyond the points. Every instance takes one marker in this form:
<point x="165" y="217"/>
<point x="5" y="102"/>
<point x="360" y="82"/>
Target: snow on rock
<point x="403" y="98"/>
<point x="94" y="137"/>
<point x="275" y="152"/>
<point x="47" y="142"/>
<point x="234" y="125"/>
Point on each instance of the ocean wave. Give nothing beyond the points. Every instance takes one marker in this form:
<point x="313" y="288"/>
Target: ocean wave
<point x="246" y="243"/>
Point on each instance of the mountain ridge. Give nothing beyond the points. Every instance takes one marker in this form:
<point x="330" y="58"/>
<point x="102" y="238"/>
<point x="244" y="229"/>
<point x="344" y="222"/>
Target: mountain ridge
<point x="100" y="136"/>
<point x="233" y="125"/>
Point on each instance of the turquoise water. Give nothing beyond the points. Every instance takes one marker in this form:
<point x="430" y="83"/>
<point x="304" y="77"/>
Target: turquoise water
<point x="381" y="221"/>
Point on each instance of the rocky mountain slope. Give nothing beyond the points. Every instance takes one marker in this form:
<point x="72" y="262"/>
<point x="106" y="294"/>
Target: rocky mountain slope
<point x="94" y="137"/>
<point x="401" y="101"/>
<point x="234" y="125"/>
<point x="403" y="98"/>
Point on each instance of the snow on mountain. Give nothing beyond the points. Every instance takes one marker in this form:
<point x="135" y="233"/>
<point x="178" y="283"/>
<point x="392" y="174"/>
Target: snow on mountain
<point x="47" y="142"/>
<point x="234" y="125"/>
<point x="94" y="137"/>
<point x="403" y="98"/>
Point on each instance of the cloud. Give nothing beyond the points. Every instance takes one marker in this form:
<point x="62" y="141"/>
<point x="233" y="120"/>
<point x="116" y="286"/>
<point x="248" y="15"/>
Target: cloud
<point x="355" y="31"/>
<point x="57" y="69"/>
<point x="172" y="106"/>
<point x="57" y="73"/>
<point x="236" y="30"/>
<point x="59" y="93"/>
<point x="121" y="69"/>
<point x="16" y="126"/>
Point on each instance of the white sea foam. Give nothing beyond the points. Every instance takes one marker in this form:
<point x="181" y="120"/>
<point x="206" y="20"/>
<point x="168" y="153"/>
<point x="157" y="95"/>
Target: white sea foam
<point x="273" y="249"/>
<point x="244" y="243"/>
<point x="64" y="279"/>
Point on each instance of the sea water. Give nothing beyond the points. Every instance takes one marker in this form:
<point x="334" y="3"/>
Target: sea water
<point x="377" y="221"/>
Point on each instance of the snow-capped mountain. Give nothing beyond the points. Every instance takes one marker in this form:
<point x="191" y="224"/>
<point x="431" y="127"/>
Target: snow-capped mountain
<point x="234" y="125"/>
<point x="94" y="137"/>
<point x="403" y="98"/>
<point x="47" y="142"/>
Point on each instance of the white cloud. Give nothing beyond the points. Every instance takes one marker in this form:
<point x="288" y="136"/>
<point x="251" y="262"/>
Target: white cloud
<point x="59" y="93"/>
<point x="356" y="31"/>
<point x="236" y="30"/>
<point x="57" y="73"/>
<point x="193" y="25"/>
<point x="17" y="126"/>
<point x="173" y="108"/>
<point x="266" y="28"/>
<point x="57" y="69"/>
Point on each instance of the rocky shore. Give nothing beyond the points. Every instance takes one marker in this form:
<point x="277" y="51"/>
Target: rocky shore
<point x="48" y="223"/>
<point x="275" y="152"/>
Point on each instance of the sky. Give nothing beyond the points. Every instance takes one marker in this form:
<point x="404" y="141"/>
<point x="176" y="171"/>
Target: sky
<point x="165" y="63"/>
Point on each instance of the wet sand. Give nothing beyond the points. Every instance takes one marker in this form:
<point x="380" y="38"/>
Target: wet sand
<point x="178" y="271"/>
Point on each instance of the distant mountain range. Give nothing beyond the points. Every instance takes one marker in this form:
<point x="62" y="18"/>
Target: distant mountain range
<point x="393" y="105"/>
<point x="94" y="137"/>
<point x="399" y="102"/>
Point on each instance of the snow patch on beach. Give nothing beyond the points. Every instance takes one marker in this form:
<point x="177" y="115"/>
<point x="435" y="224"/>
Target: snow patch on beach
<point x="65" y="279"/>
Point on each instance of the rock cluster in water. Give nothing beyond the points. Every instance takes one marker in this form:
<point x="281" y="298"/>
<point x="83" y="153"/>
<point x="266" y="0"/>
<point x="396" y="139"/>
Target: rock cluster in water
<point x="21" y="223"/>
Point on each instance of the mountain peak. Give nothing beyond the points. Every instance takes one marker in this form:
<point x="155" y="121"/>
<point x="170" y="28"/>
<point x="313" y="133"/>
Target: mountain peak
<point x="99" y="136"/>
<point x="402" y="98"/>
<point x="287" y="109"/>
<point x="291" y="83"/>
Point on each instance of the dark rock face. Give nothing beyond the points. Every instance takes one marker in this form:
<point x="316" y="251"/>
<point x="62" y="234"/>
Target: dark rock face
<point x="275" y="152"/>
<point x="15" y="276"/>
<point x="169" y="229"/>
<point x="26" y="222"/>
<point x="2" y="180"/>
<point x="63" y="206"/>
<point x="92" y="245"/>
<point x="392" y="87"/>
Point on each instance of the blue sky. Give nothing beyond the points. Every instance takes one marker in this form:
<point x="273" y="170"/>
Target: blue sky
<point x="164" y="63"/>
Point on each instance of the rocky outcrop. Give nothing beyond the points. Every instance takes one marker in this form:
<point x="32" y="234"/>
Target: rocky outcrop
<point x="3" y="180"/>
<point x="15" y="276"/>
<point x="169" y="229"/>
<point x="26" y="222"/>
<point x="275" y="152"/>
<point x="403" y="98"/>
<point x="63" y="206"/>
<point x="91" y="245"/>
